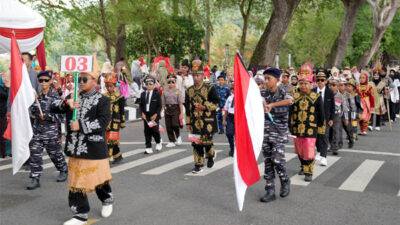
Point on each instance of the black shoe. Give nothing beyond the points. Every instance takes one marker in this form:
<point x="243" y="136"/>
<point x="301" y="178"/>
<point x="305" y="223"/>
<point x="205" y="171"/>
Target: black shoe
<point x="221" y="132"/>
<point x="34" y="184"/>
<point x="308" y="178"/>
<point x="231" y="153"/>
<point x="62" y="176"/>
<point x="335" y="152"/>
<point x="210" y="163"/>
<point x="301" y="172"/>
<point x="197" y="169"/>
<point x="117" y="160"/>
<point x="351" y="144"/>
<point x="285" y="188"/>
<point x="269" y="196"/>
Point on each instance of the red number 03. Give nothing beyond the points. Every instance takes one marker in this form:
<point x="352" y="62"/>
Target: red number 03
<point x="82" y="64"/>
<point x="70" y="63"/>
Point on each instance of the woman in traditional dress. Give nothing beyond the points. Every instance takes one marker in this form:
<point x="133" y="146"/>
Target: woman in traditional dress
<point x="366" y="94"/>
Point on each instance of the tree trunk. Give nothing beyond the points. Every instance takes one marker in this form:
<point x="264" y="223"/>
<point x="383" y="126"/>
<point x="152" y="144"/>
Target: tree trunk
<point x="245" y="16"/>
<point x="338" y="50"/>
<point x="120" y="43"/>
<point x="208" y="31"/>
<point x="267" y="46"/>
<point x="175" y="7"/>
<point x="382" y="15"/>
<point x="105" y="28"/>
<point x="366" y="57"/>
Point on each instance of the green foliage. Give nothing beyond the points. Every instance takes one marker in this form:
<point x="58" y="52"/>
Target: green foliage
<point x="173" y="35"/>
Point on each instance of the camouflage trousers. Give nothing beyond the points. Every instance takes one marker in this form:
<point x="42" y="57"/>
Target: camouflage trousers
<point x="274" y="160"/>
<point x="53" y="148"/>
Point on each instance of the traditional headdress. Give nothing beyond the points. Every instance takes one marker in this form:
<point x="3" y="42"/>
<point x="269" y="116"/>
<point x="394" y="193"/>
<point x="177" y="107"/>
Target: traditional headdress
<point x="197" y="67"/>
<point x="335" y="70"/>
<point x="306" y="72"/>
<point x="378" y="68"/>
<point x="110" y="78"/>
<point x="352" y="82"/>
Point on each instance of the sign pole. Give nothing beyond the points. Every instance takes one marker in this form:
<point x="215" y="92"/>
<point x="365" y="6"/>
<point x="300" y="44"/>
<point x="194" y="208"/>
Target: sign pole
<point x="75" y="94"/>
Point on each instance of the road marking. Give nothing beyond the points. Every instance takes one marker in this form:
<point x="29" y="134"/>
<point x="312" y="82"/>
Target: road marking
<point x="170" y="166"/>
<point x="218" y="165"/>
<point x="145" y="160"/>
<point x="370" y="152"/>
<point x="288" y="156"/>
<point x="398" y="194"/>
<point x="360" y="178"/>
<point x="318" y="170"/>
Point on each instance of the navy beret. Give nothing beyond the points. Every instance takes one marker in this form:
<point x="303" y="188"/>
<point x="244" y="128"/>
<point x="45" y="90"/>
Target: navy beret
<point x="46" y="73"/>
<point x="273" y="72"/>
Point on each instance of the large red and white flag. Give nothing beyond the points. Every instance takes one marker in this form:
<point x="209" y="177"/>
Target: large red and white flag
<point x="249" y="130"/>
<point x="19" y="129"/>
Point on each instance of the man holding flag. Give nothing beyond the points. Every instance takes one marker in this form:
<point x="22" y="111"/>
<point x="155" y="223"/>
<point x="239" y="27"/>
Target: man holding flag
<point x="249" y="130"/>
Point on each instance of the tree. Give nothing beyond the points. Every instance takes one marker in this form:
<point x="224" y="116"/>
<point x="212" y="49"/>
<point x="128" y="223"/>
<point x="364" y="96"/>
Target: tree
<point x="383" y="12"/>
<point x="267" y="46"/>
<point x="338" y="50"/>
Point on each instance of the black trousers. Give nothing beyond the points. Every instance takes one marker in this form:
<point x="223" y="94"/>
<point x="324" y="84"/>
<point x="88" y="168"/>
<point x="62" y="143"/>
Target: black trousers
<point x="79" y="204"/>
<point x="322" y="143"/>
<point x="172" y="124"/>
<point x="377" y="120"/>
<point x="348" y="130"/>
<point x="150" y="132"/>
<point x="230" y="131"/>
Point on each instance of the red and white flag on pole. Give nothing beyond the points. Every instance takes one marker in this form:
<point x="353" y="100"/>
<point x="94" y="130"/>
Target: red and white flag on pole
<point x="249" y="130"/>
<point x="19" y="129"/>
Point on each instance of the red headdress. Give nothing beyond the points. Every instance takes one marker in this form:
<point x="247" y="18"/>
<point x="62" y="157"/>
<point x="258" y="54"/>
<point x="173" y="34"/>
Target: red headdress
<point x="306" y="72"/>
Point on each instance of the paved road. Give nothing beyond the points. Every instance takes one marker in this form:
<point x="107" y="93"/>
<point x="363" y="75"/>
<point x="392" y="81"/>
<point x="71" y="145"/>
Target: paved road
<point x="359" y="186"/>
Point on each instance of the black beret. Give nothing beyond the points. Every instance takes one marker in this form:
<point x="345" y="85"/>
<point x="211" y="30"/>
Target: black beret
<point x="222" y="75"/>
<point x="185" y="62"/>
<point x="171" y="76"/>
<point x="273" y="72"/>
<point x="46" y="73"/>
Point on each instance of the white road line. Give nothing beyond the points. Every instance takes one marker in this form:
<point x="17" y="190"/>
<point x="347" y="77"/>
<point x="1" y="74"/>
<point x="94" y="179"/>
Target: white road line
<point x="318" y="170"/>
<point x="145" y="160"/>
<point x="398" y="194"/>
<point x="289" y="156"/>
<point x="360" y="178"/>
<point x="170" y="166"/>
<point x="218" y="165"/>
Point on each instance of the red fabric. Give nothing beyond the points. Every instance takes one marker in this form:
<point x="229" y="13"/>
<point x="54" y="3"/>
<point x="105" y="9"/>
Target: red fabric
<point x="20" y="33"/>
<point x="41" y="55"/>
<point x="206" y="71"/>
<point x="141" y="61"/>
<point x="305" y="147"/>
<point x="246" y="160"/>
<point x="16" y="78"/>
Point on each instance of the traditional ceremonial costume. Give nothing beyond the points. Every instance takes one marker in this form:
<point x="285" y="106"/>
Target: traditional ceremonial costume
<point x="367" y="98"/>
<point x="378" y="87"/>
<point x="117" y="111"/>
<point x="275" y="137"/>
<point x="306" y="121"/>
<point x="355" y="108"/>
<point x="202" y="123"/>
<point x="349" y="116"/>
<point x="341" y="110"/>
<point x="88" y="164"/>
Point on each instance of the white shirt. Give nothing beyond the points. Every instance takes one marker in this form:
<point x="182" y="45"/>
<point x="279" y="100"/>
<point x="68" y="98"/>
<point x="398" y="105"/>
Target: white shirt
<point x="188" y="82"/>
<point x="321" y="92"/>
<point x="179" y="84"/>
<point x="228" y="105"/>
<point x="148" y="103"/>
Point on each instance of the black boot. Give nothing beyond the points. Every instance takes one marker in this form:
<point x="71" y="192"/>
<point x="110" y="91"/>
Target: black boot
<point x="269" y="196"/>
<point x="117" y="160"/>
<point x="351" y="144"/>
<point x="231" y="153"/>
<point x="62" y="176"/>
<point x="285" y="188"/>
<point x="34" y="184"/>
<point x="308" y="178"/>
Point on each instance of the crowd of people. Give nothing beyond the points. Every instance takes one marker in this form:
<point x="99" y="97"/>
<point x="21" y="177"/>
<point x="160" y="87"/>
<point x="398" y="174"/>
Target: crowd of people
<point x="312" y="106"/>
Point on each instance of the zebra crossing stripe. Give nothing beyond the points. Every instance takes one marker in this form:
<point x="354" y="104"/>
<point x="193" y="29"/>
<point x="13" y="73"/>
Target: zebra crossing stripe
<point x="288" y="156"/>
<point x="218" y="165"/>
<point x="145" y="160"/>
<point x="361" y="177"/>
<point x="50" y="164"/>
<point x="318" y="170"/>
<point x="170" y="166"/>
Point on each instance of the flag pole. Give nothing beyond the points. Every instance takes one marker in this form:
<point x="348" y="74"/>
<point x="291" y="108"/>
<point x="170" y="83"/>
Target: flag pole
<point x="75" y="94"/>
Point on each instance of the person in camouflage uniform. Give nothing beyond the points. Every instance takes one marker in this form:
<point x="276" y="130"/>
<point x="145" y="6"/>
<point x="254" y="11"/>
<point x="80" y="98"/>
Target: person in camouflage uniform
<point x="45" y="133"/>
<point x="277" y="100"/>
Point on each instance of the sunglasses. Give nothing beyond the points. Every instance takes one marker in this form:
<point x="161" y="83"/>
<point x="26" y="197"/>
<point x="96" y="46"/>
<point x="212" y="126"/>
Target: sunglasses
<point x="260" y="84"/>
<point x="149" y="83"/>
<point x="84" y="79"/>
<point x="44" y="80"/>
<point x="320" y="80"/>
<point x="171" y="82"/>
<point x="332" y="85"/>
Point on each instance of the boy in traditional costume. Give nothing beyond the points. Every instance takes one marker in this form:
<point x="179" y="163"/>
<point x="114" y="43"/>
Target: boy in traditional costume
<point x="117" y="122"/>
<point x="354" y="98"/>
<point x="306" y="121"/>
<point x="201" y="104"/>
<point x="88" y="163"/>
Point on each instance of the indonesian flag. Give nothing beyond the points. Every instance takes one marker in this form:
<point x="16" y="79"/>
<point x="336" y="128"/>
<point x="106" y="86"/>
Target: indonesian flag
<point x="249" y="130"/>
<point x="19" y="129"/>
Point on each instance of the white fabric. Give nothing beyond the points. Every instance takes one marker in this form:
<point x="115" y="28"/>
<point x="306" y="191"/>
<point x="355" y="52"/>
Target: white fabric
<point x="14" y="14"/>
<point x="20" y="122"/>
<point x="228" y="105"/>
<point x="188" y="82"/>
<point x="25" y="45"/>
<point x="394" y="93"/>
<point x="148" y="103"/>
